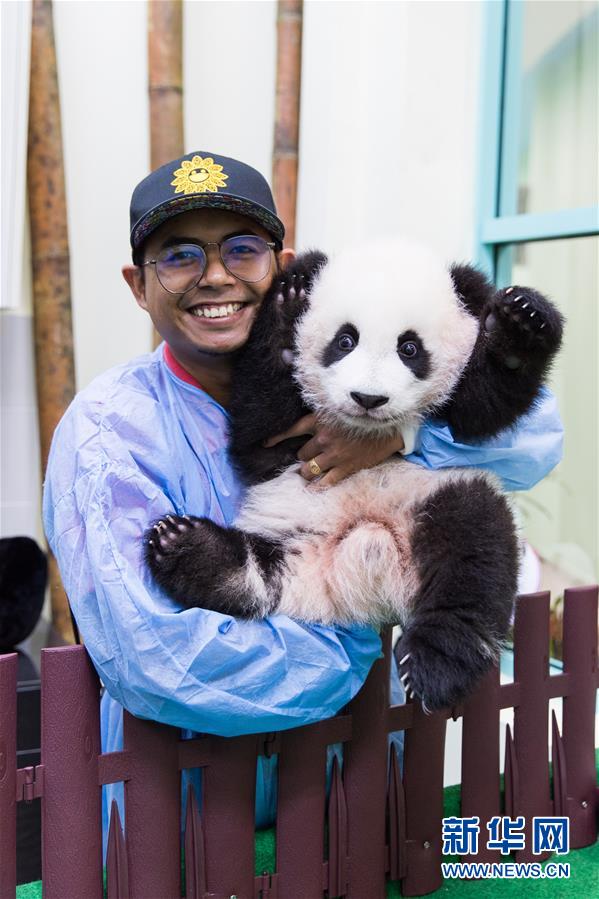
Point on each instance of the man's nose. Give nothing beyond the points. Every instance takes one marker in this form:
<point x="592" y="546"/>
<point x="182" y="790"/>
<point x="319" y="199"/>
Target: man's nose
<point x="215" y="273"/>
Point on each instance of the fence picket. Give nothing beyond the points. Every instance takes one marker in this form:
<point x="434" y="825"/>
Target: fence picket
<point x="195" y="859"/>
<point x="300" y="812"/>
<point x="558" y="763"/>
<point x="580" y="664"/>
<point x="117" y="868"/>
<point x="8" y="774"/>
<point x="396" y="814"/>
<point x="152" y="809"/>
<point x="531" y="718"/>
<point x="337" y="834"/>
<point x="229" y="797"/>
<point x="423" y="784"/>
<point x="481" y="793"/>
<point x="511" y="786"/>
<point x="71" y="802"/>
<point x="365" y="780"/>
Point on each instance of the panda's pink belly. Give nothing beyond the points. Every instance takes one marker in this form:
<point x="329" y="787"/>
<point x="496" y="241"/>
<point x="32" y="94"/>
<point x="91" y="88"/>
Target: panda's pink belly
<point x="362" y="572"/>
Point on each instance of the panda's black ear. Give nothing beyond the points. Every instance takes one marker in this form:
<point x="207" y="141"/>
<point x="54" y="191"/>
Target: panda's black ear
<point x="472" y="286"/>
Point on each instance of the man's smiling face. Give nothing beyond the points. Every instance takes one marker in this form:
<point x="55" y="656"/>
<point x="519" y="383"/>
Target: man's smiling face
<point x="189" y="335"/>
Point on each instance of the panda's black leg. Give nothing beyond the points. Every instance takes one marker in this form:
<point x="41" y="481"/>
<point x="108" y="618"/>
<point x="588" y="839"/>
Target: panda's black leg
<point x="200" y="563"/>
<point x="467" y="556"/>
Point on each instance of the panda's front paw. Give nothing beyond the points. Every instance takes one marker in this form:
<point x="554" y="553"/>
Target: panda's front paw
<point x="165" y="543"/>
<point x="520" y="321"/>
<point x="437" y="679"/>
<point x="292" y="289"/>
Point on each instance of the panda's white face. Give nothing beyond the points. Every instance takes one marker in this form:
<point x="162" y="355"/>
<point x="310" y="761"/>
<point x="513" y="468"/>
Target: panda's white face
<point x="385" y="338"/>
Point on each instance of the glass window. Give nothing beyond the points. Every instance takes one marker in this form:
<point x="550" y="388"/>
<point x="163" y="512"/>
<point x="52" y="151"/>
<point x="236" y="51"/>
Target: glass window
<point x="550" y="134"/>
<point x="560" y="515"/>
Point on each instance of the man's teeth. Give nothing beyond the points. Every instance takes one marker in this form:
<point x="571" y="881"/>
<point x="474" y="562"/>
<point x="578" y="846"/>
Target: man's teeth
<point x="215" y="311"/>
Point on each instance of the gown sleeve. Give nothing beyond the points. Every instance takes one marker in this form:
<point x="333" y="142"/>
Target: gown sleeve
<point x="520" y="456"/>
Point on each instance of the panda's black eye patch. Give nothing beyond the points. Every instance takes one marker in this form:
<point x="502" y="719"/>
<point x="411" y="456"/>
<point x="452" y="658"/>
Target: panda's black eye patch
<point x="345" y="340"/>
<point x="413" y="354"/>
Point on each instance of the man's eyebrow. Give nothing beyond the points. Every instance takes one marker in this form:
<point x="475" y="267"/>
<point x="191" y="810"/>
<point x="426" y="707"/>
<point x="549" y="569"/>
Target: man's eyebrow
<point x="175" y="240"/>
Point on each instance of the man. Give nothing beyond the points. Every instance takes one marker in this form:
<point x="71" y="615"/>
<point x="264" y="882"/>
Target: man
<point x="149" y="438"/>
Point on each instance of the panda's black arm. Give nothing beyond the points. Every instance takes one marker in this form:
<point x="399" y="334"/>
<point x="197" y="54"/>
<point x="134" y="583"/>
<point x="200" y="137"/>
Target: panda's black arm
<point x="265" y="399"/>
<point x="520" y="332"/>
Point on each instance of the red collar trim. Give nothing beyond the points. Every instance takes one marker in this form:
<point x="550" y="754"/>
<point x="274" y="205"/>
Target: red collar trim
<point x="178" y="369"/>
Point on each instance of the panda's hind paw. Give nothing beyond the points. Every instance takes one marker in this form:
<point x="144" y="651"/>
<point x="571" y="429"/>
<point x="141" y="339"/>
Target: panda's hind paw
<point x="429" y="675"/>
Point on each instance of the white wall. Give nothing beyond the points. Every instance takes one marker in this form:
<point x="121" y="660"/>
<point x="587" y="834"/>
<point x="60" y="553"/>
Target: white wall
<point x="389" y="122"/>
<point x="102" y="71"/>
<point x="388" y="141"/>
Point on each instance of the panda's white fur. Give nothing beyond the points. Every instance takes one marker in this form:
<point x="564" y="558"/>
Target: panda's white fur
<point x="383" y="304"/>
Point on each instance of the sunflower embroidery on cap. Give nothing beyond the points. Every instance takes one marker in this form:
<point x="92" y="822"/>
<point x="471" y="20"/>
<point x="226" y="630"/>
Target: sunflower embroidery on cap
<point x="198" y="176"/>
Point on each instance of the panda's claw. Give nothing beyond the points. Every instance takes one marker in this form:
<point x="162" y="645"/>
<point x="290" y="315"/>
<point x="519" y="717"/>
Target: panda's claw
<point x="405" y="658"/>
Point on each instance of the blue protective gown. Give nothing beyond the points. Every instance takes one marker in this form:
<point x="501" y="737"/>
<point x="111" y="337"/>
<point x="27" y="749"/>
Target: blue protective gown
<point x="139" y="443"/>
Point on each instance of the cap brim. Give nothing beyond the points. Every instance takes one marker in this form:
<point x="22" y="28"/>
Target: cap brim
<point x="177" y="205"/>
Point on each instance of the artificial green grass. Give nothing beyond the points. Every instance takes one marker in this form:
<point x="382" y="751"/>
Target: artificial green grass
<point x="583" y="882"/>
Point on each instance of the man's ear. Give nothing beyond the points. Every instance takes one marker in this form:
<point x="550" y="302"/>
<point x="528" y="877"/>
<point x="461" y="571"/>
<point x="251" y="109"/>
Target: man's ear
<point x="134" y="277"/>
<point x="285" y="257"/>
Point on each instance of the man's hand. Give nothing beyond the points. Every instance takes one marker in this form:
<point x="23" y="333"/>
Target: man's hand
<point x="336" y="454"/>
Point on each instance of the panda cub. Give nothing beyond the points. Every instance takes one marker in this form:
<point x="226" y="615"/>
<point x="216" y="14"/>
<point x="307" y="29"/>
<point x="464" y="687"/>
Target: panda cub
<point x="374" y="341"/>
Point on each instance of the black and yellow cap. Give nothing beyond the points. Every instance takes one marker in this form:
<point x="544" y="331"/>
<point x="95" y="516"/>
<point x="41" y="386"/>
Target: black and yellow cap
<point x="198" y="180"/>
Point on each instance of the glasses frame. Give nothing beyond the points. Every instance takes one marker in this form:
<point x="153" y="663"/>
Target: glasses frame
<point x="213" y="243"/>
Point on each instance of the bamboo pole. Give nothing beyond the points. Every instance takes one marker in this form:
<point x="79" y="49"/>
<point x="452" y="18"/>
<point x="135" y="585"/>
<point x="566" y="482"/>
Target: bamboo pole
<point x="165" y="74"/>
<point x="287" y="112"/>
<point x="55" y="369"/>
<point x="165" y="85"/>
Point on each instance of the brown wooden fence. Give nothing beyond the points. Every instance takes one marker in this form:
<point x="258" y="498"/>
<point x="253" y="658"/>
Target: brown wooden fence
<point x="377" y="822"/>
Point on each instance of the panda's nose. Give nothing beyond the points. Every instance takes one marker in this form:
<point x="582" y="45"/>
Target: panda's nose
<point x="369" y="400"/>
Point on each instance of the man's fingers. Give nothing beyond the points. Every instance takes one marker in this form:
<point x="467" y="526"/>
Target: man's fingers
<point x="310" y="449"/>
<point x="332" y="477"/>
<point x="314" y="467"/>
<point x="305" y="425"/>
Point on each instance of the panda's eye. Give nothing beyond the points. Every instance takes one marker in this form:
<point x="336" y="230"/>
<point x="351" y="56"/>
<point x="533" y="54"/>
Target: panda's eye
<point x="408" y="349"/>
<point x="346" y="342"/>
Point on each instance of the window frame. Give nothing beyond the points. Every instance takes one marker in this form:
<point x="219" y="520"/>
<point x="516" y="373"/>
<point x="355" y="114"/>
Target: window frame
<point x="502" y="43"/>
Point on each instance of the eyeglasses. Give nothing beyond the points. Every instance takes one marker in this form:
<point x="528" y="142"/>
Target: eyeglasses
<point x="180" y="268"/>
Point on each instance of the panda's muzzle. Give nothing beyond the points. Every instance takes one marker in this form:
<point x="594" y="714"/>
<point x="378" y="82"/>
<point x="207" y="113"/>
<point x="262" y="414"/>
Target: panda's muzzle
<point x="369" y="400"/>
